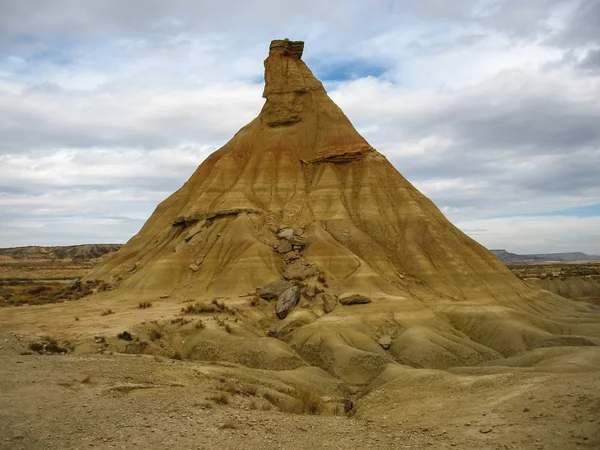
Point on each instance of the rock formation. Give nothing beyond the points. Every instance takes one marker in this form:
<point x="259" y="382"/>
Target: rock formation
<point x="299" y="195"/>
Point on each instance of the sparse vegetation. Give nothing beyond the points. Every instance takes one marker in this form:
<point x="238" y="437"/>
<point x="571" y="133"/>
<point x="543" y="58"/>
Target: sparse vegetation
<point x="125" y="335"/>
<point x="155" y="335"/>
<point x="47" y="345"/>
<point x="144" y="305"/>
<point x="200" y="308"/>
<point x="306" y="402"/>
<point x="222" y="398"/>
<point x="199" y="325"/>
<point x="36" y="346"/>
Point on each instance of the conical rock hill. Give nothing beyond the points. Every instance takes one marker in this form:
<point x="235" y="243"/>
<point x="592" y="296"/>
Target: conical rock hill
<point x="301" y="164"/>
<point x="299" y="194"/>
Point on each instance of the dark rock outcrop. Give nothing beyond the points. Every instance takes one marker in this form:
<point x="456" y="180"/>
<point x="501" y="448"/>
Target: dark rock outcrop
<point x="287" y="301"/>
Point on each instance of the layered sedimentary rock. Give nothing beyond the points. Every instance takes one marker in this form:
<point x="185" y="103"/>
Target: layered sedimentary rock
<point x="299" y="195"/>
<point x="301" y="164"/>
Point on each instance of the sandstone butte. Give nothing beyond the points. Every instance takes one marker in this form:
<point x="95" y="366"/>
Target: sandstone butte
<point x="299" y="196"/>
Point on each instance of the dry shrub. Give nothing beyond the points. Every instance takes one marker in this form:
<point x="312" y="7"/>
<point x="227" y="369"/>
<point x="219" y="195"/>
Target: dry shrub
<point x="249" y="390"/>
<point x="307" y="402"/>
<point x="144" y="305"/>
<point x="222" y="398"/>
<point x="47" y="345"/>
<point x="200" y="308"/>
<point x="312" y="403"/>
<point x="199" y="325"/>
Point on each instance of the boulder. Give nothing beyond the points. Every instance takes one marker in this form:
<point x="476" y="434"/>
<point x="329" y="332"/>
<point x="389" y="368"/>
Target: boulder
<point x="300" y="271"/>
<point x="355" y="299"/>
<point x="297" y="242"/>
<point x="286" y="233"/>
<point x="329" y="301"/>
<point x="284" y="247"/>
<point x="385" y="341"/>
<point x="194" y="267"/>
<point x="273" y="290"/>
<point x="286" y="301"/>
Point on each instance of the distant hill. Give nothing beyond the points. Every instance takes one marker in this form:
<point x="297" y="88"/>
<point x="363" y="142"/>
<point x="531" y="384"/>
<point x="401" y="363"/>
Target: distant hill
<point x="507" y="257"/>
<point x="71" y="252"/>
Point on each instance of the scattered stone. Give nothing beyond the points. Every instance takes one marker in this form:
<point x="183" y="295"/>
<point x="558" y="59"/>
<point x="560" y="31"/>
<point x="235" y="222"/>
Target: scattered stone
<point x="299" y="231"/>
<point x="297" y="242"/>
<point x="291" y="256"/>
<point x="286" y="301"/>
<point x="355" y="299"/>
<point x="485" y="430"/>
<point x="286" y="233"/>
<point x="309" y="291"/>
<point x="165" y="296"/>
<point x="329" y="301"/>
<point x="75" y="284"/>
<point x="194" y="267"/>
<point x="525" y="409"/>
<point x="273" y="290"/>
<point x="300" y="271"/>
<point x="385" y="341"/>
<point x="284" y="247"/>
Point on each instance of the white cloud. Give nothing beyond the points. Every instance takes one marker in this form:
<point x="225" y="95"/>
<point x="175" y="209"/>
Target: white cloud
<point x="543" y="234"/>
<point x="490" y="108"/>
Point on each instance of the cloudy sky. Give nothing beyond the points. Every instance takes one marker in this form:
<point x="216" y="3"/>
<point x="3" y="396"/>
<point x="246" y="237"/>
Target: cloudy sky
<point x="490" y="107"/>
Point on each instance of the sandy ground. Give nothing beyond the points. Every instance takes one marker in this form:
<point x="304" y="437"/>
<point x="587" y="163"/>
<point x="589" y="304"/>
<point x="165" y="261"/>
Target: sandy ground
<point x="134" y="401"/>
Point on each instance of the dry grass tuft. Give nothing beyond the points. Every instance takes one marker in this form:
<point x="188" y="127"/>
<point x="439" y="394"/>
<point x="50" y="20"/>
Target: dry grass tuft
<point x="306" y="402"/>
<point x="222" y="398"/>
<point x="144" y="305"/>
<point x="200" y="308"/>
